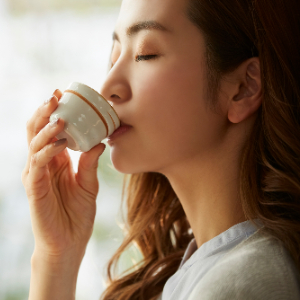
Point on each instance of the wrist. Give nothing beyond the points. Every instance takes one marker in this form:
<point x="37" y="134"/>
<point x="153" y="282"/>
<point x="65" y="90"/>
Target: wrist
<point x="67" y="261"/>
<point x="54" y="276"/>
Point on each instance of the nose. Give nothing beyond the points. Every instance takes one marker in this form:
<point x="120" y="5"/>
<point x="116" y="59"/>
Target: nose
<point x="116" y="89"/>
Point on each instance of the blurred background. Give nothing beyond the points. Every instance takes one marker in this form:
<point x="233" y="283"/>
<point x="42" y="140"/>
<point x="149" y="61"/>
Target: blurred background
<point x="45" y="45"/>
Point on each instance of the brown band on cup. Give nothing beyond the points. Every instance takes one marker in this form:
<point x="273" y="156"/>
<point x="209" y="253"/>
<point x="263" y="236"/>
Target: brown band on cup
<point x="91" y="105"/>
<point x="112" y="121"/>
<point x="102" y="97"/>
<point x="108" y="104"/>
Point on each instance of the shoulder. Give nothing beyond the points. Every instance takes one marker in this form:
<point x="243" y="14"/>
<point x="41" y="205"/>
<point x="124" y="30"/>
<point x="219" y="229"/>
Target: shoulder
<point x="258" y="268"/>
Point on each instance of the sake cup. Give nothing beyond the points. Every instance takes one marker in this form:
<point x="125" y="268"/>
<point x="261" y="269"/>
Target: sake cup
<point x="88" y="117"/>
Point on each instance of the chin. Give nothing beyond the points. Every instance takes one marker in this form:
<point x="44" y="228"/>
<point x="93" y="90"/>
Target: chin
<point x="130" y="164"/>
<point x="123" y="164"/>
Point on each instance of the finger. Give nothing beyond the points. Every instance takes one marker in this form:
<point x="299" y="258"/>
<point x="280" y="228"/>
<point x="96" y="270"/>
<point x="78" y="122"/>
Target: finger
<point x="87" y="168"/>
<point x="44" y="137"/>
<point x="40" y="118"/>
<point x="58" y="94"/>
<point x="38" y="165"/>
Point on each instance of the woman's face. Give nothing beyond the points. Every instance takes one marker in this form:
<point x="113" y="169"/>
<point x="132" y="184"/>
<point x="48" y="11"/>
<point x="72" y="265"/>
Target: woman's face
<point x="157" y="85"/>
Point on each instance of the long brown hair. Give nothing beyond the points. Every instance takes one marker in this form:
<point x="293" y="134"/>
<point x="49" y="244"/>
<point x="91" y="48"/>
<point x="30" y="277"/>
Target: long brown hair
<point x="234" y="31"/>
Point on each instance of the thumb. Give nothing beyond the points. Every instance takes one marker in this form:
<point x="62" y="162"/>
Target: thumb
<point x="87" y="168"/>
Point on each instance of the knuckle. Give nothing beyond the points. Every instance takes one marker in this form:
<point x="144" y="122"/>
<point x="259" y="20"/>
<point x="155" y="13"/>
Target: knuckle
<point x="31" y="128"/>
<point x="32" y="145"/>
<point x="34" y="159"/>
<point x="33" y="124"/>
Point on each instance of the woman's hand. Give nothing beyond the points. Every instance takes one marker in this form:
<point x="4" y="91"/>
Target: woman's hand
<point x="62" y="203"/>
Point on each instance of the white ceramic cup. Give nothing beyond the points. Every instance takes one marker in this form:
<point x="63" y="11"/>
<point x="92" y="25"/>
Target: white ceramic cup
<point x="88" y="117"/>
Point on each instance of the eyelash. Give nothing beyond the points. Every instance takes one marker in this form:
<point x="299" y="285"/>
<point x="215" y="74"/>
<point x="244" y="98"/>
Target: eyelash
<point x="142" y="57"/>
<point x="145" y="57"/>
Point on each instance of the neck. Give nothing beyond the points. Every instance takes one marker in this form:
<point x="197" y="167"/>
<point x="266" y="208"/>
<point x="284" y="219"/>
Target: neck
<point x="207" y="186"/>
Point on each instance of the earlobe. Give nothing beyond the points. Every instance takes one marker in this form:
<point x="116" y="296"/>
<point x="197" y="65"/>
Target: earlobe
<point x="248" y="98"/>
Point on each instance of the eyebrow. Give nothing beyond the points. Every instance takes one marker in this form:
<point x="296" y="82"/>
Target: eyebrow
<point x="135" y="28"/>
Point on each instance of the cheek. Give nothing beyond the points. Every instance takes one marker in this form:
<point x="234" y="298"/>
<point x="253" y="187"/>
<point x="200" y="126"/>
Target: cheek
<point x="170" y="97"/>
<point x="174" y="75"/>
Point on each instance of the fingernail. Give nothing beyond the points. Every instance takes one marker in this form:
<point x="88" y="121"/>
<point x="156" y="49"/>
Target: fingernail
<point x="48" y="100"/>
<point x="59" y="142"/>
<point x="54" y="121"/>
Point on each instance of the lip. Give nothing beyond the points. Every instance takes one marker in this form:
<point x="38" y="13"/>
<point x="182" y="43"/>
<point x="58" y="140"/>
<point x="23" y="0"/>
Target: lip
<point x="124" y="124"/>
<point x="121" y="130"/>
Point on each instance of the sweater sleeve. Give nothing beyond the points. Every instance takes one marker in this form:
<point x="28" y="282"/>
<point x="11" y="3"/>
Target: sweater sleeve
<point x="251" y="274"/>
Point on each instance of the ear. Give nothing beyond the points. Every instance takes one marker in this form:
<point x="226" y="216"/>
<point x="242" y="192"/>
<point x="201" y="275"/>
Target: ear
<point x="248" y="96"/>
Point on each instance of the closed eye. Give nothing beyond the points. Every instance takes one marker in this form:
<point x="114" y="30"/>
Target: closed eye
<point x="141" y="57"/>
<point x="145" y="57"/>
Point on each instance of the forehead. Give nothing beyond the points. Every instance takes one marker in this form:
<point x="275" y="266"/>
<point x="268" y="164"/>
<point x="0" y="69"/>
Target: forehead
<point x="170" y="13"/>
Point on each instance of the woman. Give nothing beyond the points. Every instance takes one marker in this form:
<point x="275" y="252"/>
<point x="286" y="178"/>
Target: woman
<point x="211" y="90"/>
